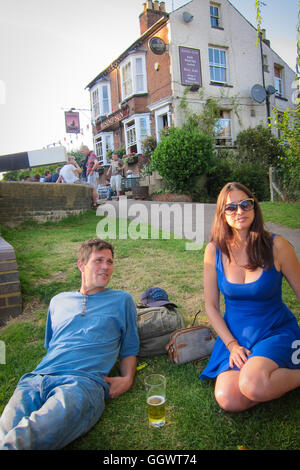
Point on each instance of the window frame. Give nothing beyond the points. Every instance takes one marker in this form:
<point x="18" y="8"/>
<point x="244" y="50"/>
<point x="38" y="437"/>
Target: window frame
<point x="140" y="132"/>
<point x="217" y="66"/>
<point x="105" y="148"/>
<point x="217" y="17"/>
<point x="135" y="76"/>
<point x="101" y="109"/>
<point x="159" y="113"/>
<point x="279" y="93"/>
<point x="228" y="124"/>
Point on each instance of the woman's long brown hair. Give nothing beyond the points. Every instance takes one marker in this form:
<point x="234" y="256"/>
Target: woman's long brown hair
<point x="259" y="247"/>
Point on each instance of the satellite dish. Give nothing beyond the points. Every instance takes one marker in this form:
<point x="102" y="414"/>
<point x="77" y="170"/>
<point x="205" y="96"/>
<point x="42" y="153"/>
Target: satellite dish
<point x="187" y="17"/>
<point x="258" y="93"/>
<point x="271" y="90"/>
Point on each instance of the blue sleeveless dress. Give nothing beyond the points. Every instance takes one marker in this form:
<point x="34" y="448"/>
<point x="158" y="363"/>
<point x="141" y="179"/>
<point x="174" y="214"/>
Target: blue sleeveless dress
<point x="260" y="321"/>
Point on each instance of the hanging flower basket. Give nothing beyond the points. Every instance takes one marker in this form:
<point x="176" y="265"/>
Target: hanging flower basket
<point x="130" y="159"/>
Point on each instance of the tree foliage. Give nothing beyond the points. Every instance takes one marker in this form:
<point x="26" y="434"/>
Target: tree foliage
<point x="288" y="165"/>
<point x="181" y="157"/>
<point x="258" y="145"/>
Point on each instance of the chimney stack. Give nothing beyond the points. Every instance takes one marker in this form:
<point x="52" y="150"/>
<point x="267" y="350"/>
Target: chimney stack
<point x="264" y="37"/>
<point x="152" y="12"/>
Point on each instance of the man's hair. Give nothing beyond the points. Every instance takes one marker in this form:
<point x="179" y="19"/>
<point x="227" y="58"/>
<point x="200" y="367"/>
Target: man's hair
<point x="87" y="247"/>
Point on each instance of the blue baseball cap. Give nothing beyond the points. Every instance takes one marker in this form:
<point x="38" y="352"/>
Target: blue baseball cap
<point x="155" y="297"/>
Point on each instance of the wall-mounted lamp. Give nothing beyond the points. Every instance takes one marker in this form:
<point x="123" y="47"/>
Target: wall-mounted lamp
<point x="187" y="17"/>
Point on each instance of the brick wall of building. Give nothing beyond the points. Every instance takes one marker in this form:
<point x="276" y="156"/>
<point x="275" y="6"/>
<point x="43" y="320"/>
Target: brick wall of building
<point x="153" y="23"/>
<point x="158" y="70"/>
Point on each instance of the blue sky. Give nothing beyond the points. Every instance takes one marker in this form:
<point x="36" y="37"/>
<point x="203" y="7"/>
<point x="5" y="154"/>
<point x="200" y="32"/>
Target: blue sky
<point x="51" y="49"/>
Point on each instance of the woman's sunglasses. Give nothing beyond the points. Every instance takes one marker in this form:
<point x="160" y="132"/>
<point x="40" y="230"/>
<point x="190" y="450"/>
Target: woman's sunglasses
<point x="245" y="205"/>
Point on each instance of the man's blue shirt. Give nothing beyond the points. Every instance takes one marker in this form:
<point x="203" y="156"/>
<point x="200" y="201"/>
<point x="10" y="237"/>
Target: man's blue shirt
<point x="87" y="339"/>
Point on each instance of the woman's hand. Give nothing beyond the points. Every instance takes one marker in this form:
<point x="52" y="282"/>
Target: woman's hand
<point x="238" y="355"/>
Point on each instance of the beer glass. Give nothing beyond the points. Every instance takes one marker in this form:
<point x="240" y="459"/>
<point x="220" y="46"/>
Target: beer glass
<point x="156" y="399"/>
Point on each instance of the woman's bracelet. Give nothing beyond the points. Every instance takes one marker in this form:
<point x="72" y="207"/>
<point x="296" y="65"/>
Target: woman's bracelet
<point x="232" y="341"/>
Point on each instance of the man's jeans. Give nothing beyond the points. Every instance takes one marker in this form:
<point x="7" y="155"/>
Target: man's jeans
<point x="50" y="411"/>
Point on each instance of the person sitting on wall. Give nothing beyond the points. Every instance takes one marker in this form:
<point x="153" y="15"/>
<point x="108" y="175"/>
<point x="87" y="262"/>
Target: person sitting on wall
<point x="86" y="332"/>
<point x="70" y="174"/>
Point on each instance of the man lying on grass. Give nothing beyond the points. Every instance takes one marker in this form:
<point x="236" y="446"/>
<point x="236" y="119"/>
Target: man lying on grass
<point x="86" y="332"/>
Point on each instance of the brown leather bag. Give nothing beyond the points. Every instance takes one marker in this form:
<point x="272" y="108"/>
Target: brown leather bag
<point x="190" y="344"/>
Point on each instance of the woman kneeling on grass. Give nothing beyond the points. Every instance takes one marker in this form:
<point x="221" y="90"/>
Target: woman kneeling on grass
<point x="256" y="357"/>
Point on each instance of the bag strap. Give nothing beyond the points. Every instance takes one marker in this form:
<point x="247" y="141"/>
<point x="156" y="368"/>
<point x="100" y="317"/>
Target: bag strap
<point x="202" y="366"/>
<point x="196" y="317"/>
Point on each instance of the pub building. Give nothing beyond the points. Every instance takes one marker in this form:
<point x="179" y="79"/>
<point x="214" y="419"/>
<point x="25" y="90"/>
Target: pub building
<point x="204" y="49"/>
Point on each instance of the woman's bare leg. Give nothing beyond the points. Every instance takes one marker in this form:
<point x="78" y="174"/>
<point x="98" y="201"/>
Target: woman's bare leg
<point x="262" y="380"/>
<point x="228" y="394"/>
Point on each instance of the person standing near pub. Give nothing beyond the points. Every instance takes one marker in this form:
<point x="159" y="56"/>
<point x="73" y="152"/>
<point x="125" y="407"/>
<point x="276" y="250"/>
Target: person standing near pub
<point x="91" y="164"/>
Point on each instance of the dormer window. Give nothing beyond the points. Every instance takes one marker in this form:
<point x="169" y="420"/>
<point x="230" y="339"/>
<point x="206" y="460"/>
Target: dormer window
<point x="133" y="76"/>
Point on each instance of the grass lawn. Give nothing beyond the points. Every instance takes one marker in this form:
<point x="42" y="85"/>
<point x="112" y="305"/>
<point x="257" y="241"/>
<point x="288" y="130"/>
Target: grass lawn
<point x="281" y="213"/>
<point x="46" y="256"/>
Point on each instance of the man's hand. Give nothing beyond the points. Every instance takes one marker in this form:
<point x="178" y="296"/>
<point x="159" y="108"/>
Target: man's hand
<point x="118" y="385"/>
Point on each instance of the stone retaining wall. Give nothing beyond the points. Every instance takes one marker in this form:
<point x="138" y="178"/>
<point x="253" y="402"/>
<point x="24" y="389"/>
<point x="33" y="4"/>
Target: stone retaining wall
<point x="10" y="291"/>
<point x="31" y="201"/>
<point x="41" y="201"/>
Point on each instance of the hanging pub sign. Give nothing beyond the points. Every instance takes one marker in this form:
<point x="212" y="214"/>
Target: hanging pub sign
<point x="157" y="45"/>
<point x="72" y="122"/>
<point x="190" y="66"/>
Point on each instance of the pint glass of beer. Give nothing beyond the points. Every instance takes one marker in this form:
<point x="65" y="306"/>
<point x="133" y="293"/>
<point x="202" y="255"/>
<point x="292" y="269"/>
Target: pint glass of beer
<point x="156" y="399"/>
